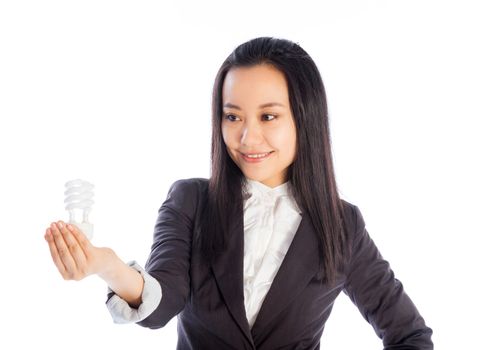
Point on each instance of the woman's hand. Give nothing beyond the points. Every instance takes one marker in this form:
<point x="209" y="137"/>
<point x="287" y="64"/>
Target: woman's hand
<point x="74" y="255"/>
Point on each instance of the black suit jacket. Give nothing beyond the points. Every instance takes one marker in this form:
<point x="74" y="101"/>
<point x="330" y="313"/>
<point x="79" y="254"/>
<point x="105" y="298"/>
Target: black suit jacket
<point x="209" y="301"/>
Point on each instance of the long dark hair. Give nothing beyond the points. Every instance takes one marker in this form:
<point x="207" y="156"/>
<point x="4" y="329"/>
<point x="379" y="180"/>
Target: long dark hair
<point x="311" y="174"/>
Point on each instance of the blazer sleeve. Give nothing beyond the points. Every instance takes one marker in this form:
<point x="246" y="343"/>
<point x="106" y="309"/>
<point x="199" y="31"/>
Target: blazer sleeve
<point x="380" y="297"/>
<point x="169" y="258"/>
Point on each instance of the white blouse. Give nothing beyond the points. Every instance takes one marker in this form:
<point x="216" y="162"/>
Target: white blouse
<point x="271" y="218"/>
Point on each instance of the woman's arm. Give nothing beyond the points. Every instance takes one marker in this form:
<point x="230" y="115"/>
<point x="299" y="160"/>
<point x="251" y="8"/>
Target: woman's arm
<point x="166" y="271"/>
<point x="380" y="297"/>
<point x="170" y="255"/>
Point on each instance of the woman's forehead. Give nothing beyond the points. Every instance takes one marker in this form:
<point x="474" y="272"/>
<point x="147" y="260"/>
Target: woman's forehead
<point x="259" y="85"/>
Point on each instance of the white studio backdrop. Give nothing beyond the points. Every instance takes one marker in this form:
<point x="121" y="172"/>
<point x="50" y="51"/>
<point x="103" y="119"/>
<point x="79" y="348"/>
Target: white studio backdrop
<point x="119" y="93"/>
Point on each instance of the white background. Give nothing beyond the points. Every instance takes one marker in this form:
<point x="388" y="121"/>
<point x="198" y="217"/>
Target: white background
<point x="119" y="93"/>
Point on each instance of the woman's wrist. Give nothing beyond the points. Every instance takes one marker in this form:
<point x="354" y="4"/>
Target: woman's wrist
<point x="121" y="278"/>
<point x="110" y="265"/>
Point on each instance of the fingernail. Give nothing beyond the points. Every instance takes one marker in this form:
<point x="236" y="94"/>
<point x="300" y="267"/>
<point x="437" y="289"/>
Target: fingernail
<point x="70" y="227"/>
<point x="60" y="225"/>
<point x="53" y="225"/>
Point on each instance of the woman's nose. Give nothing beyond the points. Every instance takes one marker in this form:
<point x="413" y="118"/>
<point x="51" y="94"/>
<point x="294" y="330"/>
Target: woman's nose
<point x="252" y="135"/>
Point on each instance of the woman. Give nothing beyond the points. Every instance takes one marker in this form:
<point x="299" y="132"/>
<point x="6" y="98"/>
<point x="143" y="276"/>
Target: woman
<point x="255" y="256"/>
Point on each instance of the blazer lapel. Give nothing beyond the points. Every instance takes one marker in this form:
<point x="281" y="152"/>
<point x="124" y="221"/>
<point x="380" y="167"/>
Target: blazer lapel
<point x="299" y="265"/>
<point x="228" y="269"/>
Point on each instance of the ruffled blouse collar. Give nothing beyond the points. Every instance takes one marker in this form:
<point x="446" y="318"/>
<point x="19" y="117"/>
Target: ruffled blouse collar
<point x="269" y="195"/>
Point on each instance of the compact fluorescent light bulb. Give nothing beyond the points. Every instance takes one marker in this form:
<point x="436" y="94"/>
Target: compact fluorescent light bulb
<point x="78" y="195"/>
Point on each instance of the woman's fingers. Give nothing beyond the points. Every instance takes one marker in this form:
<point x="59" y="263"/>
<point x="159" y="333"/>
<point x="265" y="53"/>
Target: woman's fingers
<point x="63" y="251"/>
<point x="81" y="238"/>
<point x="74" y="248"/>
<point x="54" y="252"/>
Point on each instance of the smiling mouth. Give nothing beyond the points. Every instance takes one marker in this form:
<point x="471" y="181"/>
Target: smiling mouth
<point x="256" y="156"/>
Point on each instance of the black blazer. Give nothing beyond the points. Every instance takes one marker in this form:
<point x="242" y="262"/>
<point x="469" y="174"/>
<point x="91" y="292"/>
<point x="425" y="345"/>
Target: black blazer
<point x="209" y="302"/>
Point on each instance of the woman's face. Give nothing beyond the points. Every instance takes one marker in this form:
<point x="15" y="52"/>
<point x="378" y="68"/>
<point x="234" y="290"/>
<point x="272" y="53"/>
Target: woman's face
<point x="257" y="119"/>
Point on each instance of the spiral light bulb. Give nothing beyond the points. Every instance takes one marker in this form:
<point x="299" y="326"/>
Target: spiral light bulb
<point x="78" y="195"/>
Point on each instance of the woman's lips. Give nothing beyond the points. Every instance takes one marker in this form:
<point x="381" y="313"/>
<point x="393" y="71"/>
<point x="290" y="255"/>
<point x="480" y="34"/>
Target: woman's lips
<point x="255" y="160"/>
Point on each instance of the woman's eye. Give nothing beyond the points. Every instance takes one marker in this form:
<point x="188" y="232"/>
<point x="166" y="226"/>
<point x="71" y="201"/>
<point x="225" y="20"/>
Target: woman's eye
<point x="229" y="115"/>
<point x="270" y="115"/>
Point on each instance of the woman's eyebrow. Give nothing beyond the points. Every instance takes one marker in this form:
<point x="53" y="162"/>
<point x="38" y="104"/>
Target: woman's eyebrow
<point x="269" y="104"/>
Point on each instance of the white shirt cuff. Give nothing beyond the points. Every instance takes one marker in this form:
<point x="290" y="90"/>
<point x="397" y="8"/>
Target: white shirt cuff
<point x="122" y="312"/>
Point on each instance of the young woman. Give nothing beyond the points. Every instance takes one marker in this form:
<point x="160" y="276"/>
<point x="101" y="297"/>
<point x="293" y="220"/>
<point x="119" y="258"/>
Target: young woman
<point x="255" y="256"/>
